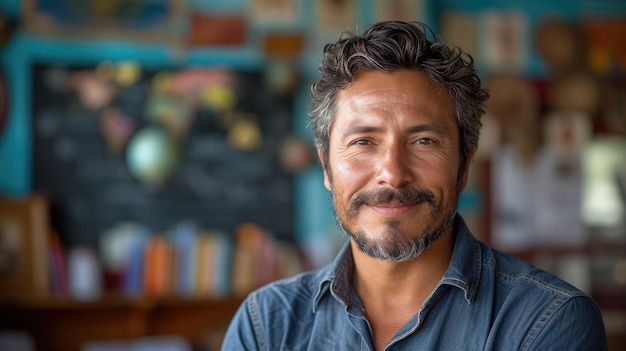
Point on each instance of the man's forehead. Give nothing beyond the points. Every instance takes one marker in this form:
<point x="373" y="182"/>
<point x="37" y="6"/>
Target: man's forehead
<point x="395" y="87"/>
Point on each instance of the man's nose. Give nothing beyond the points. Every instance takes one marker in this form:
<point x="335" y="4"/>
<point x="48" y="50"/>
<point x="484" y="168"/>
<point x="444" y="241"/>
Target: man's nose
<point x="394" y="167"/>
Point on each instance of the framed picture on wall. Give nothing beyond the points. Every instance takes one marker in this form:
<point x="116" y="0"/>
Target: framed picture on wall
<point x="336" y="15"/>
<point x="139" y="19"/>
<point x="401" y="10"/>
<point x="274" y="11"/>
<point x="23" y="247"/>
<point x="503" y="45"/>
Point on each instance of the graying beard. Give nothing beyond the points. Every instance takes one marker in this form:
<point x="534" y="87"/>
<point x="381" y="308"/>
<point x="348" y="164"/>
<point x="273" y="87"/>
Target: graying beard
<point x="402" y="251"/>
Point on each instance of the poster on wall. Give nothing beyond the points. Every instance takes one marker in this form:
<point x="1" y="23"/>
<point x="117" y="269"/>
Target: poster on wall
<point x="333" y="15"/>
<point x="606" y="47"/>
<point x="459" y="29"/>
<point x="274" y="12"/>
<point x="512" y="223"/>
<point x="504" y="41"/>
<point x="401" y="10"/>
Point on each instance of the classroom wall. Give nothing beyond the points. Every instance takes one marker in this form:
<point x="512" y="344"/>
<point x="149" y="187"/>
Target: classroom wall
<point x="313" y="214"/>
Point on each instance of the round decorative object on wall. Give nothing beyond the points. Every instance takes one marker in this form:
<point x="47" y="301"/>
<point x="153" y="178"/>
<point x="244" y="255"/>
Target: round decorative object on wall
<point x="4" y="101"/>
<point x="152" y="156"/>
<point x="560" y="45"/>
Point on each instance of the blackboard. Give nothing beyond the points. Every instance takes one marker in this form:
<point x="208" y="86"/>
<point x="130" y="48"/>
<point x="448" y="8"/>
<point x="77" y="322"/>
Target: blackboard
<point x="215" y="185"/>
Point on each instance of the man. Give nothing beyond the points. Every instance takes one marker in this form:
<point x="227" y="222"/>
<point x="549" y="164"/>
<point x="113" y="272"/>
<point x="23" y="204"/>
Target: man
<point x="396" y="120"/>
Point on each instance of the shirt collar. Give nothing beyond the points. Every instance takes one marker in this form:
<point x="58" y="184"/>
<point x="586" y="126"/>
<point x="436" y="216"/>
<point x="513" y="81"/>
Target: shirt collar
<point x="465" y="267"/>
<point x="337" y="276"/>
<point x="463" y="272"/>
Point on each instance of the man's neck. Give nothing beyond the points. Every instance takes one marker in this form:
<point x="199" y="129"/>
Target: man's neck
<point x="385" y="279"/>
<point x="393" y="292"/>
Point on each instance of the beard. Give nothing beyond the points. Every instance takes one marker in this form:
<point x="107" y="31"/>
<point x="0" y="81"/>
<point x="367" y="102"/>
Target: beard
<point x="392" y="244"/>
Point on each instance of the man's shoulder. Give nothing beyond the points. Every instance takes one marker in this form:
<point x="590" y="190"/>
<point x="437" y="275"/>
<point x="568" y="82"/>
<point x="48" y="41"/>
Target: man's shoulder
<point x="547" y="309"/>
<point x="521" y="275"/>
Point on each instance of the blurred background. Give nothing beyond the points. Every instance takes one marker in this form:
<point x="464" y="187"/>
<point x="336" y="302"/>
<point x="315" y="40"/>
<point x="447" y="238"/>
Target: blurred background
<point x="156" y="162"/>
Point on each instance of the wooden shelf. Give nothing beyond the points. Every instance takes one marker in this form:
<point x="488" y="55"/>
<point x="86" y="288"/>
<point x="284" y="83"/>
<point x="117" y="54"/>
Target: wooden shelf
<point x="65" y="325"/>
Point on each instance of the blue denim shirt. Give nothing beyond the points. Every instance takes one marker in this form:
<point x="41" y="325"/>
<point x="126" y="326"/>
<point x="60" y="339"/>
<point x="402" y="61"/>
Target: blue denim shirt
<point x="486" y="300"/>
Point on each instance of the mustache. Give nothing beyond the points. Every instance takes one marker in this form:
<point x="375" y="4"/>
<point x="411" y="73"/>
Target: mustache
<point x="408" y="195"/>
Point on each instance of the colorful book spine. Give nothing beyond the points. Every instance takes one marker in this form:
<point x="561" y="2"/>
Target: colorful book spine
<point x="157" y="275"/>
<point x="132" y="278"/>
<point x="185" y="240"/>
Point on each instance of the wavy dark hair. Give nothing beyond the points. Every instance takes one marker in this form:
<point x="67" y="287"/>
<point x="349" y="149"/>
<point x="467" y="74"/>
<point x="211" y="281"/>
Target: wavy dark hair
<point x="390" y="46"/>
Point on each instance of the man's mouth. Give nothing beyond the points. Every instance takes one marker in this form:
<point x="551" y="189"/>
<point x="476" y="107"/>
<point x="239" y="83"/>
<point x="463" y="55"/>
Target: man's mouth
<point x="393" y="208"/>
<point x="391" y="203"/>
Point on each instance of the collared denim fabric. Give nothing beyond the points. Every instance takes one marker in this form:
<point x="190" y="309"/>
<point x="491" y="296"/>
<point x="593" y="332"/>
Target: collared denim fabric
<point x="486" y="300"/>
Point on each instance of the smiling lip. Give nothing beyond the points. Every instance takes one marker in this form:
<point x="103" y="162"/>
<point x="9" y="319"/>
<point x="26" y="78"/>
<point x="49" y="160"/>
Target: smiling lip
<point x="393" y="209"/>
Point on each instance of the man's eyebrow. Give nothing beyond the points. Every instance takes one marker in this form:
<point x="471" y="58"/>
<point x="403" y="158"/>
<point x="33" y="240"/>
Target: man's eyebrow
<point x="360" y="129"/>
<point x="432" y="127"/>
<point x="429" y="127"/>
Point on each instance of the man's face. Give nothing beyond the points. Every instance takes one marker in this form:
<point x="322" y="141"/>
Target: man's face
<point x="393" y="165"/>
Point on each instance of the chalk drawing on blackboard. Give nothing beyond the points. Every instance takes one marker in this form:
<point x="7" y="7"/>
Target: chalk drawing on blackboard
<point x="215" y="183"/>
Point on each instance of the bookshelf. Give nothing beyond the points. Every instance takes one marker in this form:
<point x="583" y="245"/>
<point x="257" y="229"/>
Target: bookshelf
<point x="176" y="297"/>
<point x="65" y="325"/>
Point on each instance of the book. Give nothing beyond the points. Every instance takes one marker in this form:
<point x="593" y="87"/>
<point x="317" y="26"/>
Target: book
<point x="213" y="264"/>
<point x="157" y="273"/>
<point x="205" y="266"/>
<point x="249" y="244"/>
<point x="57" y="266"/>
<point x="184" y="241"/>
<point x="132" y="276"/>
<point x="223" y="263"/>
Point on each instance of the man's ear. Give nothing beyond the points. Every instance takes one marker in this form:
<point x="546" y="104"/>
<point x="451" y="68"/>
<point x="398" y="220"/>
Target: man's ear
<point x="320" y="157"/>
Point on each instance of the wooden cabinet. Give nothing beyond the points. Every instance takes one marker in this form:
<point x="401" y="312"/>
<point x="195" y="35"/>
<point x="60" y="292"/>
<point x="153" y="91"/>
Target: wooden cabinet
<point x="65" y="325"/>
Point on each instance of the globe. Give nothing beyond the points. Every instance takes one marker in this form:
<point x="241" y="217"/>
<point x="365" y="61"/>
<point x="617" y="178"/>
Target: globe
<point x="152" y="155"/>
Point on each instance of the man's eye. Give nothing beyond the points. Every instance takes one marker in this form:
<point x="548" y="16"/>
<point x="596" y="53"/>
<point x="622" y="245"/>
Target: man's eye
<point x="425" y="141"/>
<point x="361" y="142"/>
